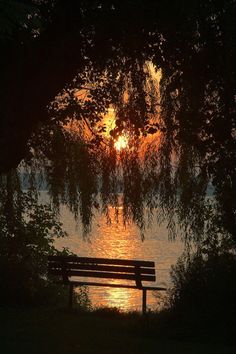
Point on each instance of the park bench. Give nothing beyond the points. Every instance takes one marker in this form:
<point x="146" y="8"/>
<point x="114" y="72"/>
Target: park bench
<point x="67" y="268"/>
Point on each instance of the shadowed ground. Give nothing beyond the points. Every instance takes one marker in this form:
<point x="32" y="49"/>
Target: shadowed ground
<point x="48" y="331"/>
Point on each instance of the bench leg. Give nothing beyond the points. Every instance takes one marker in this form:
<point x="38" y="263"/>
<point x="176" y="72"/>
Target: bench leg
<point x="71" y="290"/>
<point x="144" y="301"/>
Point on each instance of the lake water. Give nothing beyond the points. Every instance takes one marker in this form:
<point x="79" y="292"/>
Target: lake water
<point x="117" y="241"/>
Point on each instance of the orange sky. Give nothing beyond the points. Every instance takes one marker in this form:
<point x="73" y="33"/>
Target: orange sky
<point x="109" y="119"/>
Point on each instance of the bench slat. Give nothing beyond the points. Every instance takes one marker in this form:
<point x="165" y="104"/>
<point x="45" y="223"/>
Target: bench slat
<point x="97" y="267"/>
<point x="80" y="283"/>
<point x="83" y="273"/>
<point x="101" y="261"/>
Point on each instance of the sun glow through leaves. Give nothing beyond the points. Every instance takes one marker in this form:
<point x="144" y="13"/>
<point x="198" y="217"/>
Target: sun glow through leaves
<point x="121" y="143"/>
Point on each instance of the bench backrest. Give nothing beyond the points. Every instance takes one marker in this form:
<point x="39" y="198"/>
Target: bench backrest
<point x="69" y="266"/>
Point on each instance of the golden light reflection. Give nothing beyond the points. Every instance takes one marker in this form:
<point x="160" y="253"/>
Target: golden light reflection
<point x="118" y="241"/>
<point x="115" y="240"/>
<point x="124" y="299"/>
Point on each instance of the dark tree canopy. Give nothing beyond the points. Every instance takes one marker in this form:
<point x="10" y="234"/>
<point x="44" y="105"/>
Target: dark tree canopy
<point x="55" y="49"/>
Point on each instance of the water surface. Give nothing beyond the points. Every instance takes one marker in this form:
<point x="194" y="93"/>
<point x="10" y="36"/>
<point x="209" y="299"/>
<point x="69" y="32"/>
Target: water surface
<point x="117" y="241"/>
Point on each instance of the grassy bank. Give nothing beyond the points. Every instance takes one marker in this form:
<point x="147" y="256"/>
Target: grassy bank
<point x="59" y="331"/>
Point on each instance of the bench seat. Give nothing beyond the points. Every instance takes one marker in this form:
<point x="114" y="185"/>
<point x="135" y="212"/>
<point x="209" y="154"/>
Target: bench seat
<point x="66" y="268"/>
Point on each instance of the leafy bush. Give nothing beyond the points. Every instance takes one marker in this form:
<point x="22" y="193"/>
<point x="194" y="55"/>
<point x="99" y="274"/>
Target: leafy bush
<point x="27" y="234"/>
<point x="204" y="286"/>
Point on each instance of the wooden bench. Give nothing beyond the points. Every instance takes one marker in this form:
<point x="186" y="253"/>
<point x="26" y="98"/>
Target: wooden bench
<point x="69" y="267"/>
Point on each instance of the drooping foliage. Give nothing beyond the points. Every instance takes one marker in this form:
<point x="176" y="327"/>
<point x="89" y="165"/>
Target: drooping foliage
<point x="189" y="112"/>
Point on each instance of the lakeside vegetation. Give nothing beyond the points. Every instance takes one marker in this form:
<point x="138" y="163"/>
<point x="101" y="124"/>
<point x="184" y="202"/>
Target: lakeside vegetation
<point x="166" y="69"/>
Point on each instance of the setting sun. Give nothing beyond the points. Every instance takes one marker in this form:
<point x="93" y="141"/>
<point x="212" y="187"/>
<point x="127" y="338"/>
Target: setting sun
<point x="121" y="143"/>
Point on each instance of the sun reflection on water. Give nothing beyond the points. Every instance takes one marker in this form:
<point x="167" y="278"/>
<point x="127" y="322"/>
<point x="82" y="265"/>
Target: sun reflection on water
<point x="114" y="240"/>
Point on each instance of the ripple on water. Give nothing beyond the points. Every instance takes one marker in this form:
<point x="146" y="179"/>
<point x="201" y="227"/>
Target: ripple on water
<point x="117" y="241"/>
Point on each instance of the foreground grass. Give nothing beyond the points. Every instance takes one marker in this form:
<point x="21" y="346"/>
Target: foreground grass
<point x="60" y="331"/>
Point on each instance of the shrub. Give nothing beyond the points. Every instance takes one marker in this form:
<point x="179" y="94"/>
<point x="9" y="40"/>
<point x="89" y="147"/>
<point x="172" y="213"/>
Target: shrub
<point x="204" y="286"/>
<point x="27" y="234"/>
